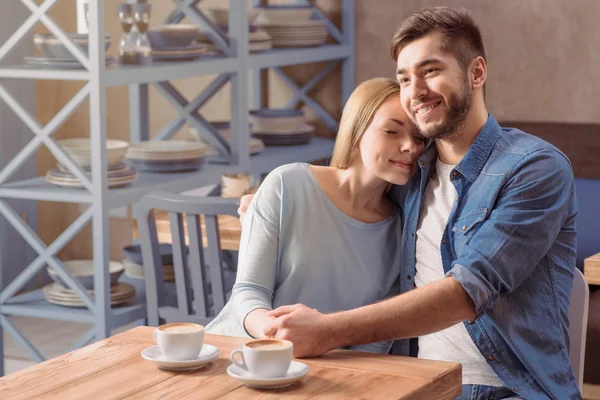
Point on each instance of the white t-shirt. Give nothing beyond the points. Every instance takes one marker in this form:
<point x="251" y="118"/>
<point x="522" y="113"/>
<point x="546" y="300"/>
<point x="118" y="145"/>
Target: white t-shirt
<point x="452" y="344"/>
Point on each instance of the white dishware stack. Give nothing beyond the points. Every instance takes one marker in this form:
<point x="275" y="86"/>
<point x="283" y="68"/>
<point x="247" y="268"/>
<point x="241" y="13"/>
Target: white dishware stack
<point x="79" y="149"/>
<point x="224" y="128"/>
<point x="83" y="271"/>
<point x="175" y="42"/>
<point x="167" y="156"/>
<point x="55" y="54"/>
<point x="281" y="127"/>
<point x="258" y="39"/>
<point x="291" y="25"/>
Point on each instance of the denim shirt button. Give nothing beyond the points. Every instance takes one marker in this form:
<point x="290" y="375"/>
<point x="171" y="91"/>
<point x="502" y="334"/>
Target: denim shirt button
<point x="444" y="241"/>
<point x="515" y="389"/>
<point x="491" y="358"/>
<point x="454" y="173"/>
<point x="408" y="277"/>
<point x="470" y="322"/>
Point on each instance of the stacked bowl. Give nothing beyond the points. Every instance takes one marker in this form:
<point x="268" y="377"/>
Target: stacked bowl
<point x="56" y="55"/>
<point x="175" y="43"/>
<point x="291" y="25"/>
<point x="83" y="271"/>
<point x="79" y="149"/>
<point x="167" y="156"/>
<point x="281" y="127"/>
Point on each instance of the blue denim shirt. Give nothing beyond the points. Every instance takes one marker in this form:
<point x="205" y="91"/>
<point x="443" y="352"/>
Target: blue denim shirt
<point x="510" y="241"/>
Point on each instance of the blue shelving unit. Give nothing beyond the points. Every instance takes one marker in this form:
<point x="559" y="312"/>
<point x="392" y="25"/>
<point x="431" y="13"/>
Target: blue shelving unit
<point x="233" y="68"/>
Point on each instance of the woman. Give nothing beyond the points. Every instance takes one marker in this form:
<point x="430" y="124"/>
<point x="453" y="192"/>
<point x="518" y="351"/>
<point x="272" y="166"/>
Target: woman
<point x="328" y="237"/>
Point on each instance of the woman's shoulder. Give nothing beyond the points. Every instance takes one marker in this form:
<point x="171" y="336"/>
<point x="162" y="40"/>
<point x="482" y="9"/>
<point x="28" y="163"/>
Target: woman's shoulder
<point x="289" y="176"/>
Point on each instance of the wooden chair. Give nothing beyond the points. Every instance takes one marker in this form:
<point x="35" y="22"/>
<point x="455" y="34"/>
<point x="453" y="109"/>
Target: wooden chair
<point x="199" y="276"/>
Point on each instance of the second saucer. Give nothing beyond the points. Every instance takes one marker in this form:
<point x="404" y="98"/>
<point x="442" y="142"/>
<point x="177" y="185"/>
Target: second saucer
<point x="207" y="354"/>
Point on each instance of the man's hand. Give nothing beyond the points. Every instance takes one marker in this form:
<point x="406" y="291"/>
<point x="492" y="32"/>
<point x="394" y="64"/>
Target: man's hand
<point x="244" y="203"/>
<point x="309" y="330"/>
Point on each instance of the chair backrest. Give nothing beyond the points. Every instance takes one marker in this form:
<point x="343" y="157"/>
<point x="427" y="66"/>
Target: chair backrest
<point x="578" y="319"/>
<point x="197" y="271"/>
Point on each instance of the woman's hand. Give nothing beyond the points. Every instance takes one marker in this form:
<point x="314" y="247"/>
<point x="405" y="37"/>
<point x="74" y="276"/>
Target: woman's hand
<point x="311" y="332"/>
<point x="256" y="321"/>
<point x="244" y="203"/>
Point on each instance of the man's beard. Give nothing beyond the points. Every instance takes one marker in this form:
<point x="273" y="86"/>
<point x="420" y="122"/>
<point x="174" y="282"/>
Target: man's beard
<point x="460" y="105"/>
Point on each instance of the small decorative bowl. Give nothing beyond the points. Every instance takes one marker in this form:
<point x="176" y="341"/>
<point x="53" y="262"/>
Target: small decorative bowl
<point x="172" y="36"/>
<point x="83" y="271"/>
<point x="51" y="46"/>
<point x="80" y="150"/>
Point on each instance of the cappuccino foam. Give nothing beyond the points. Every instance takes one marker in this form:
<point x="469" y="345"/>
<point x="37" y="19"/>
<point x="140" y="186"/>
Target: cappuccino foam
<point x="181" y="328"/>
<point x="268" y="345"/>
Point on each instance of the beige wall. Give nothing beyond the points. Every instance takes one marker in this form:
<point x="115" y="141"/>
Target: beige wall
<point x="544" y="56"/>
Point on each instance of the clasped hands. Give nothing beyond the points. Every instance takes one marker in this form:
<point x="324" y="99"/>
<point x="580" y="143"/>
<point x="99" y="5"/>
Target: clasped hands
<point x="311" y="332"/>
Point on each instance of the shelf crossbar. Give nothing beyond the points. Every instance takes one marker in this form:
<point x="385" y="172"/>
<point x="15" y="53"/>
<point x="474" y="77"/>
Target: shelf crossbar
<point x="42" y="135"/>
<point x="21" y="340"/>
<point x="316" y="107"/>
<point x="45" y="255"/>
<point x="194" y="106"/>
<point x="180" y="104"/>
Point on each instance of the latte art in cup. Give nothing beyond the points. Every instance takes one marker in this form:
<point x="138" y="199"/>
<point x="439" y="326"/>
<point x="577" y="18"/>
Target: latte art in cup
<point x="265" y="358"/>
<point x="181" y="328"/>
<point x="180" y="341"/>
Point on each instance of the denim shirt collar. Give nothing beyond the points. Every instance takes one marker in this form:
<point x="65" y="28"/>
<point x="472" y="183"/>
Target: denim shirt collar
<point x="479" y="151"/>
<point x="477" y="155"/>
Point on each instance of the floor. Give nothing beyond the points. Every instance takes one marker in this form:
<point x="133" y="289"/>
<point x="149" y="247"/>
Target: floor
<point x="51" y="338"/>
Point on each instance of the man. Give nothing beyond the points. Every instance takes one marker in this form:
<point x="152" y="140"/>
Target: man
<point x="489" y="233"/>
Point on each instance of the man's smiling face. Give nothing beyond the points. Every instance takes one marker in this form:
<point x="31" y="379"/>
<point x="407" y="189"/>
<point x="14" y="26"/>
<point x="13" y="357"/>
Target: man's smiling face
<point x="435" y="91"/>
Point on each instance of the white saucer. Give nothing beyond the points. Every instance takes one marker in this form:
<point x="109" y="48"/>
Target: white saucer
<point x="296" y="372"/>
<point x="207" y="354"/>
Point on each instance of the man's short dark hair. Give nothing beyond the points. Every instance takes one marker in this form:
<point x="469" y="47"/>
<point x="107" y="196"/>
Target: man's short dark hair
<point x="461" y="36"/>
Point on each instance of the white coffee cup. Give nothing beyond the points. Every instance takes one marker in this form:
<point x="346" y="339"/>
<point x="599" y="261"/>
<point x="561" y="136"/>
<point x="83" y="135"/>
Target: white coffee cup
<point x="180" y="341"/>
<point x="264" y="358"/>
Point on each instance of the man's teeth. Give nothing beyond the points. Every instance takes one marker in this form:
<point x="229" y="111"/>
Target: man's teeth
<point x="425" y="109"/>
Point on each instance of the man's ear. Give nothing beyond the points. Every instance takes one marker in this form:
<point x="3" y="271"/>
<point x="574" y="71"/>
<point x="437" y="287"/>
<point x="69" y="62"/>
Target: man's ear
<point x="478" y="72"/>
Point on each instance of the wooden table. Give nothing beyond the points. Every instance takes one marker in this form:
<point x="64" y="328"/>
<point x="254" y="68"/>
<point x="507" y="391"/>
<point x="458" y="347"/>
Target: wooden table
<point x="591" y="269"/>
<point x="230" y="230"/>
<point x="113" y="369"/>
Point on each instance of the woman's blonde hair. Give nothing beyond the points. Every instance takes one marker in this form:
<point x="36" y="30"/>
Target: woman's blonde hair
<point x="358" y="113"/>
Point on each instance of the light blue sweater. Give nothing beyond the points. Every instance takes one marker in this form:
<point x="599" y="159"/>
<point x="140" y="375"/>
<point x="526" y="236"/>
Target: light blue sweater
<point x="298" y="247"/>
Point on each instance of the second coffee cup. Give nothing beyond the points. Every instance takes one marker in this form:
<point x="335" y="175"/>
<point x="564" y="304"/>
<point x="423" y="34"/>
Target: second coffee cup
<point x="264" y="358"/>
<point x="180" y="341"/>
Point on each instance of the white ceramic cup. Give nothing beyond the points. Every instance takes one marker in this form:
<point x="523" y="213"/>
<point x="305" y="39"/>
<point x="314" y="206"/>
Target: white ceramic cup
<point x="264" y="358"/>
<point x="180" y="341"/>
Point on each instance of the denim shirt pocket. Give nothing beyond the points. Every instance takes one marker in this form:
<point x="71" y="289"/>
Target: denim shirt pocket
<point x="465" y="226"/>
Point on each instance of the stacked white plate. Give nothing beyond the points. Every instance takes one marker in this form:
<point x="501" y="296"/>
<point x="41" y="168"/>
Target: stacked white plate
<point x="295" y="33"/>
<point x="223" y="127"/>
<point x="256" y="145"/>
<point x="54" y="293"/>
<point x="136" y="271"/>
<point x="118" y="176"/>
<point x="80" y="151"/>
<point x="280" y="127"/>
<point x="259" y="40"/>
<point x="167" y="155"/>
<point x="187" y="53"/>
